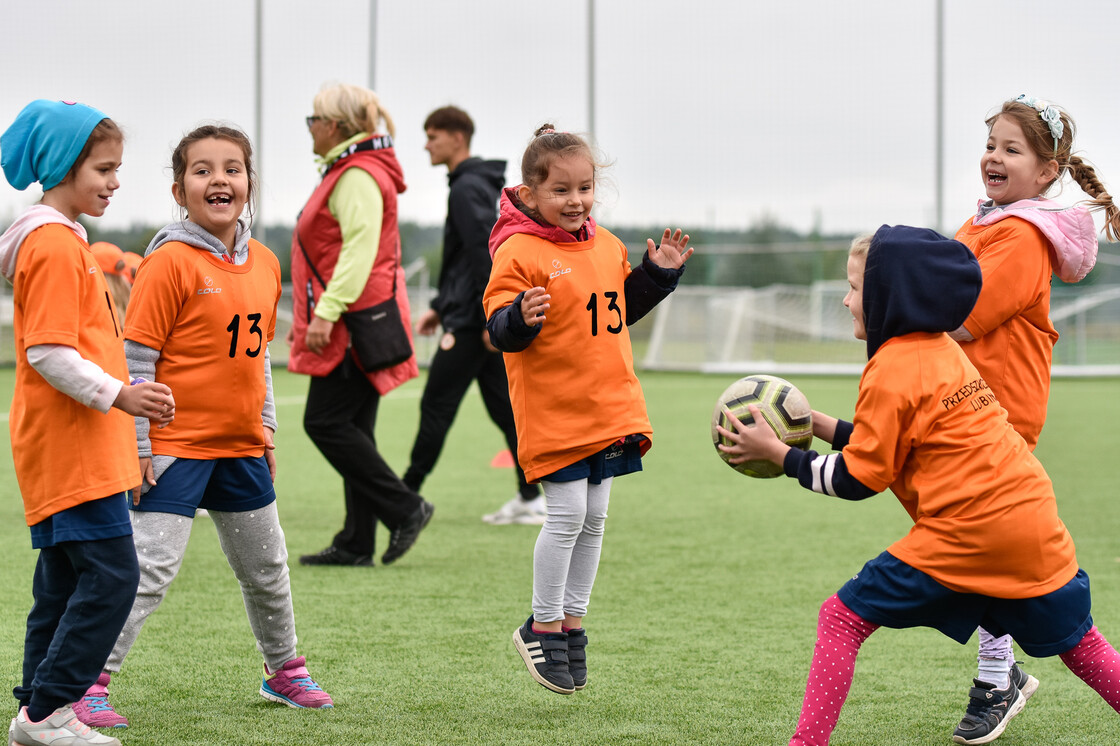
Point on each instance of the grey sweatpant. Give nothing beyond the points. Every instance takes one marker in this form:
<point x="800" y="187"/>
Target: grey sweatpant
<point x="253" y="543"/>
<point x="566" y="557"/>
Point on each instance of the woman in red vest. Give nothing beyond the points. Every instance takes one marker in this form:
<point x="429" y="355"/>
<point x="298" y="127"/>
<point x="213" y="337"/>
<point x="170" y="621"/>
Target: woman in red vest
<point x="346" y="255"/>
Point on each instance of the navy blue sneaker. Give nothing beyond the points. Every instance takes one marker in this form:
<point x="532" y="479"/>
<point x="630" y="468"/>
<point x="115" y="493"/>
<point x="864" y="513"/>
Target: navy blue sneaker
<point x="577" y="657"/>
<point x="1023" y="681"/>
<point x="546" y="657"/>
<point x="988" y="713"/>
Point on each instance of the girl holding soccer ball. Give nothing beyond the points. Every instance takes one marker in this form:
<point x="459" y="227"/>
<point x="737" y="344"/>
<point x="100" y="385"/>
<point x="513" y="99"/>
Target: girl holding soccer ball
<point x="987" y="546"/>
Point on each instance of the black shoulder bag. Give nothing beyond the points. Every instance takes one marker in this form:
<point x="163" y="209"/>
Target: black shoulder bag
<point x="377" y="333"/>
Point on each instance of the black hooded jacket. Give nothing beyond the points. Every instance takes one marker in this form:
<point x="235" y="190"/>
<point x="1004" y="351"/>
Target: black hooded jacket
<point x="472" y="210"/>
<point x="914" y="280"/>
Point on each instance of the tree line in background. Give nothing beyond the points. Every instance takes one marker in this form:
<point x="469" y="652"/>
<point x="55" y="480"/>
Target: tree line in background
<point x="763" y="254"/>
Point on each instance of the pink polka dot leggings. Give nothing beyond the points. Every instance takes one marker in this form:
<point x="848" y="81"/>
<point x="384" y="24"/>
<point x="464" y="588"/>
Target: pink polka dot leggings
<point x="840" y="632"/>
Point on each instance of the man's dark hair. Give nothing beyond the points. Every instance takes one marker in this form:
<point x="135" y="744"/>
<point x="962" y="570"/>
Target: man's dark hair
<point x="451" y="119"/>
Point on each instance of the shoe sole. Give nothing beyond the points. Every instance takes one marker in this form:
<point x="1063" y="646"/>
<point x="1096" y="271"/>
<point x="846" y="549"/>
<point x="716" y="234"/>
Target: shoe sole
<point x="336" y="564"/>
<point x="1014" y="709"/>
<point x="13" y="742"/>
<point x="274" y="697"/>
<point x="527" y="657"/>
<point x="1029" y="687"/>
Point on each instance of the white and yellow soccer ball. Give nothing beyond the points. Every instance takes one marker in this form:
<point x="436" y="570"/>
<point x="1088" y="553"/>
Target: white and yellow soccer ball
<point x="781" y="404"/>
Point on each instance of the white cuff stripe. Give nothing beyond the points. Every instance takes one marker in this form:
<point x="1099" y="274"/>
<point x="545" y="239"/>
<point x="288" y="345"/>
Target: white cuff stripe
<point x="822" y="469"/>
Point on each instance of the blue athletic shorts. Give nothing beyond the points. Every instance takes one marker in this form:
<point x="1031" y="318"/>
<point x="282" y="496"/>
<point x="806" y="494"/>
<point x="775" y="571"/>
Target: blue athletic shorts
<point x="613" y="461"/>
<point x="229" y="484"/>
<point x="891" y="593"/>
<point x="106" y="518"/>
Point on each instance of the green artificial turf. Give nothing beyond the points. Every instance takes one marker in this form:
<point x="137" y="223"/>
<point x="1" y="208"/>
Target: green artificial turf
<point x="701" y="625"/>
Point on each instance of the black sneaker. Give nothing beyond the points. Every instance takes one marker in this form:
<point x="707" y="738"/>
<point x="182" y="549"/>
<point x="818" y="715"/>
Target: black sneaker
<point x="546" y="657"/>
<point x="332" y="555"/>
<point x="988" y="713"/>
<point x="1023" y="681"/>
<point x="577" y="657"/>
<point x="404" y="536"/>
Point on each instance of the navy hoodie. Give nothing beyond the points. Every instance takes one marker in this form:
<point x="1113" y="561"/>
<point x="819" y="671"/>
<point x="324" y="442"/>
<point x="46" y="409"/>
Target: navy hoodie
<point x="472" y="209"/>
<point x="916" y="280"/>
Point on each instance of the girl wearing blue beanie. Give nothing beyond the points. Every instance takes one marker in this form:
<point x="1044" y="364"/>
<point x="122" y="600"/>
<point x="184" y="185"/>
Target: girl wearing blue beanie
<point x="71" y="419"/>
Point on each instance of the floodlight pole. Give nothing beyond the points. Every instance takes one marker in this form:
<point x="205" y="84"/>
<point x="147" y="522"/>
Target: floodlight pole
<point x="591" y="70"/>
<point x="373" y="45"/>
<point x="258" y="133"/>
<point x="939" y="135"/>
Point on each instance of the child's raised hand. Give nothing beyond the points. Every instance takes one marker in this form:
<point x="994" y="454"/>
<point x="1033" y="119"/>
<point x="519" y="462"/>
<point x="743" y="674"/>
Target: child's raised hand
<point x="752" y="442"/>
<point x="673" y="251"/>
<point x="533" y="305"/>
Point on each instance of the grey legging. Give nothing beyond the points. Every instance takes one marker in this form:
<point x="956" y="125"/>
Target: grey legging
<point x="253" y="543"/>
<point x="566" y="556"/>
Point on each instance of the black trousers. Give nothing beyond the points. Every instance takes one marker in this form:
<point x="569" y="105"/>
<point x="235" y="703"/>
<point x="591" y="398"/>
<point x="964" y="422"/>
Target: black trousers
<point x="83" y="592"/>
<point x="449" y="376"/>
<point x="339" y="418"/>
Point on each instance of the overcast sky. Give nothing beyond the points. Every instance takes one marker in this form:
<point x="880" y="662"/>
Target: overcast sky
<point x="712" y="114"/>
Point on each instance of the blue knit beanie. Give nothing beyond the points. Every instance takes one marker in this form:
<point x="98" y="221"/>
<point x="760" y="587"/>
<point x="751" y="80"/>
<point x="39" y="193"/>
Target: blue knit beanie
<point x="45" y="140"/>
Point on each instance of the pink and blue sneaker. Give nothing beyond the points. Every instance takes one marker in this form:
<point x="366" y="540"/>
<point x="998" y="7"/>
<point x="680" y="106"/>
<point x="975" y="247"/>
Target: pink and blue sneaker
<point x="293" y="686"/>
<point x="94" y="709"/>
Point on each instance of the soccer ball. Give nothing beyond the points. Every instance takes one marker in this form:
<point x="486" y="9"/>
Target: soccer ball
<point x="780" y="403"/>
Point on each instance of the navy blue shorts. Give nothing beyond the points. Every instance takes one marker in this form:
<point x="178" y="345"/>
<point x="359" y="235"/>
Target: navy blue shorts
<point x="230" y="484"/>
<point x="891" y="593"/>
<point x="613" y="461"/>
<point x="106" y="518"/>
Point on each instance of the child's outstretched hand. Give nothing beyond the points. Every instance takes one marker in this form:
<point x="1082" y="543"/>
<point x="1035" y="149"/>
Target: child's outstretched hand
<point x="533" y="305"/>
<point x="673" y="251"/>
<point x="753" y="442"/>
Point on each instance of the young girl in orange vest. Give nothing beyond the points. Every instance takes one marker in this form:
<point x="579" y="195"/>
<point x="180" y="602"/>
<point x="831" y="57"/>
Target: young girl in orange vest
<point x="560" y="297"/>
<point x="200" y="318"/>
<point x="987" y="546"/>
<point x="1021" y="240"/>
<point x="72" y="444"/>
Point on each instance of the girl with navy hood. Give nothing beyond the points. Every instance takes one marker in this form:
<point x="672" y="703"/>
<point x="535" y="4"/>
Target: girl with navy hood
<point x="987" y="546"/>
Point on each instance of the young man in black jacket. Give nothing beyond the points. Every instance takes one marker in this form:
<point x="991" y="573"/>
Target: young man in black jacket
<point x="464" y="354"/>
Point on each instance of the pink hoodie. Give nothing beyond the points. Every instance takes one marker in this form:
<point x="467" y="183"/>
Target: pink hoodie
<point x="512" y="220"/>
<point x="1070" y="231"/>
<point x="33" y="217"/>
